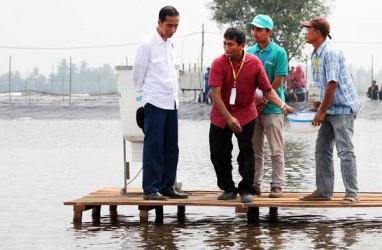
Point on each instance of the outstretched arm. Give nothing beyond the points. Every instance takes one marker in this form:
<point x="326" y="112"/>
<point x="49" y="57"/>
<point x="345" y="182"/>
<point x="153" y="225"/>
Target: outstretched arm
<point x="272" y="96"/>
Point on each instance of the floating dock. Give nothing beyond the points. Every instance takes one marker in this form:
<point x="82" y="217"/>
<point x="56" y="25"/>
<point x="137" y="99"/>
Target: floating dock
<point x="113" y="198"/>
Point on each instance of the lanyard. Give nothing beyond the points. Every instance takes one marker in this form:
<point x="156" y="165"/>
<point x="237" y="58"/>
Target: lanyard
<point x="316" y="64"/>
<point x="235" y="75"/>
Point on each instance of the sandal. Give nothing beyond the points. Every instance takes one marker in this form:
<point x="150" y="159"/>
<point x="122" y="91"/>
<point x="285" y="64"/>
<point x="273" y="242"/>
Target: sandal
<point x="315" y="196"/>
<point x="350" y="200"/>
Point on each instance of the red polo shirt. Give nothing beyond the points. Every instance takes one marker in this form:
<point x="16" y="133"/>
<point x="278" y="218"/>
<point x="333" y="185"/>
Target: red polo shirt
<point x="251" y="76"/>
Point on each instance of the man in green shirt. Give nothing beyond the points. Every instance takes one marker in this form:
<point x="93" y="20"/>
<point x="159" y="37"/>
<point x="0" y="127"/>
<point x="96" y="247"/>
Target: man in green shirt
<point x="270" y="120"/>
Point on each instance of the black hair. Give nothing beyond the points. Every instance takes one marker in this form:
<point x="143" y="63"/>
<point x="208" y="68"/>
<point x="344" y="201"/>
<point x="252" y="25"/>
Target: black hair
<point x="235" y="34"/>
<point x="167" y="11"/>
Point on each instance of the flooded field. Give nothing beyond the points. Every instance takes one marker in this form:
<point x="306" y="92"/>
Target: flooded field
<point x="62" y="155"/>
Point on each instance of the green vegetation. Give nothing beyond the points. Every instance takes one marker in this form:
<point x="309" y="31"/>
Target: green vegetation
<point x="286" y="15"/>
<point x="85" y="80"/>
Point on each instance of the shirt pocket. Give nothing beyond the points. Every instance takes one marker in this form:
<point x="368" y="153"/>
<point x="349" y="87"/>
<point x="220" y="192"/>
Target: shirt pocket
<point x="159" y="64"/>
<point x="158" y="60"/>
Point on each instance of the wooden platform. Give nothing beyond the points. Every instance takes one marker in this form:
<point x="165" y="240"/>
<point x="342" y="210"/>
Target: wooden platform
<point x="112" y="197"/>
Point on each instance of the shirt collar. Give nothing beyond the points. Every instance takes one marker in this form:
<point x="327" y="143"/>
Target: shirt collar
<point x="268" y="48"/>
<point x="158" y="39"/>
<point x="244" y="59"/>
<point x="320" y="49"/>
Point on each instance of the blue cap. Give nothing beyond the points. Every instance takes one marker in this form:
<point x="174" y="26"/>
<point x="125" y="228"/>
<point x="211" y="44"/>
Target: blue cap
<point x="261" y="21"/>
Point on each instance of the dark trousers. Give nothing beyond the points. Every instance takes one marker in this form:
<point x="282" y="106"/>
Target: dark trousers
<point x="160" y="149"/>
<point x="221" y="157"/>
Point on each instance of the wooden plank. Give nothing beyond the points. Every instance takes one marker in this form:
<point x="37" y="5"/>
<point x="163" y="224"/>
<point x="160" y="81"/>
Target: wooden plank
<point x="113" y="197"/>
<point x="143" y="216"/>
<point x="159" y="214"/>
<point x="181" y="213"/>
<point x="236" y="203"/>
<point x="113" y="213"/>
<point x="253" y="215"/>
<point x="77" y="213"/>
<point x="273" y="213"/>
<point x="96" y="214"/>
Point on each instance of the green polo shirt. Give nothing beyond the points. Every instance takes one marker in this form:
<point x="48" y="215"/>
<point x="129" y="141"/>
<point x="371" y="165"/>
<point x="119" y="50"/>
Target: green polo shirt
<point x="275" y="61"/>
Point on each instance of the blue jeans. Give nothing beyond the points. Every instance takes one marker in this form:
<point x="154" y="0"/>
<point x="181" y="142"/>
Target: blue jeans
<point x="160" y="149"/>
<point x="336" y="130"/>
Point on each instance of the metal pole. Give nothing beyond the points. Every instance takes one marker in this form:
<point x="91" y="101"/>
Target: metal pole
<point x="306" y="79"/>
<point x="27" y="87"/>
<point x="10" y="78"/>
<point x="182" y="50"/>
<point x="126" y="169"/>
<point x="26" y="84"/>
<point x="70" y="80"/>
<point x="51" y="82"/>
<point x="62" y="85"/>
<point x="306" y="69"/>
<point x="201" y="67"/>
<point x="99" y="80"/>
<point x="372" y="68"/>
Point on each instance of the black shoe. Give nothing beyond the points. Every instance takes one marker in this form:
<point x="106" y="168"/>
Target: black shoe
<point x="227" y="196"/>
<point x="154" y="196"/>
<point x="174" y="195"/>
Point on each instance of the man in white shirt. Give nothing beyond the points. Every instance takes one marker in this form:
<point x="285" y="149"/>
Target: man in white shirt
<point x="155" y="75"/>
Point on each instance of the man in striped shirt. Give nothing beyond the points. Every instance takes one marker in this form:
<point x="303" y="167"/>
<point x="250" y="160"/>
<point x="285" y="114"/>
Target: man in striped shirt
<point x="335" y="113"/>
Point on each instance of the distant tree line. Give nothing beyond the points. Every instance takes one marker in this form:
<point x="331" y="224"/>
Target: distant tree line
<point x="288" y="32"/>
<point x="84" y="80"/>
<point x="102" y="80"/>
<point x="286" y="15"/>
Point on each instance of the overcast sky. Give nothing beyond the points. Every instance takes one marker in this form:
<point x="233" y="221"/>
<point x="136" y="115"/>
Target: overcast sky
<point x="78" y="23"/>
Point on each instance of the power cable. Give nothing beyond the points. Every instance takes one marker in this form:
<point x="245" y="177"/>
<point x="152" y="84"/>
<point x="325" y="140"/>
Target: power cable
<point x="134" y="177"/>
<point x="359" y="42"/>
<point x="93" y="46"/>
<point x="68" y="48"/>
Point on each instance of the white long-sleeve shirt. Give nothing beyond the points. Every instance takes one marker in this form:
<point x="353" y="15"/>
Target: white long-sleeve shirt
<point x="154" y="72"/>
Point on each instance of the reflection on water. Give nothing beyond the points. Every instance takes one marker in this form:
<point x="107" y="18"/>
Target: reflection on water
<point x="229" y="232"/>
<point x="46" y="162"/>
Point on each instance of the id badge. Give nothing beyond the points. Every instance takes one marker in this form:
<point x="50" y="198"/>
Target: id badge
<point x="314" y="94"/>
<point x="232" y="98"/>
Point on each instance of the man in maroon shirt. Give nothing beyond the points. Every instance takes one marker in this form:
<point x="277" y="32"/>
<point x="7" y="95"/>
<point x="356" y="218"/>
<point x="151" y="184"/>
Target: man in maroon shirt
<point x="234" y="76"/>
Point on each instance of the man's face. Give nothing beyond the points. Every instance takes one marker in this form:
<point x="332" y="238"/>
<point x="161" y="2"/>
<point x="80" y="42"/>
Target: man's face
<point x="310" y="34"/>
<point x="168" y="27"/>
<point x="232" y="49"/>
<point x="260" y="35"/>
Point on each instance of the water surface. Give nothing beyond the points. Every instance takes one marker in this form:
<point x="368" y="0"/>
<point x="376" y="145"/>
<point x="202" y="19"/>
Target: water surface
<point x="45" y="162"/>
